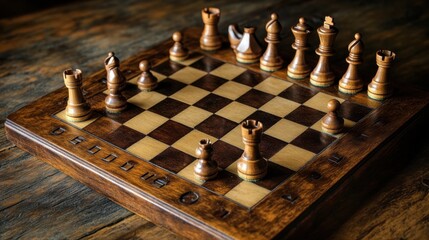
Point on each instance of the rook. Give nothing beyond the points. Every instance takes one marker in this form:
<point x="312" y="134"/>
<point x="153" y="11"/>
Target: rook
<point x="77" y="109"/>
<point x="380" y="86"/>
<point x="210" y="39"/>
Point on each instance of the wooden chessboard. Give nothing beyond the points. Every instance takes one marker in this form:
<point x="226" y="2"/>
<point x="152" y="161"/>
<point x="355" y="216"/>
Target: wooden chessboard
<point x="143" y="158"/>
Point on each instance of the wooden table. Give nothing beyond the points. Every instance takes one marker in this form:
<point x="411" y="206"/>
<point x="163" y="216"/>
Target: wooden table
<point x="38" y="201"/>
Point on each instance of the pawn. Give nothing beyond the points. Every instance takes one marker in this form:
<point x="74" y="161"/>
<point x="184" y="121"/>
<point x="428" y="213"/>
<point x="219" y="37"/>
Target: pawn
<point x="332" y="123"/>
<point x="249" y="49"/>
<point x="380" y="86"/>
<point x="77" y="109"/>
<point x="147" y="81"/>
<point x="178" y="52"/>
<point x="206" y="168"/>
<point x="271" y="60"/>
<point x="351" y="82"/>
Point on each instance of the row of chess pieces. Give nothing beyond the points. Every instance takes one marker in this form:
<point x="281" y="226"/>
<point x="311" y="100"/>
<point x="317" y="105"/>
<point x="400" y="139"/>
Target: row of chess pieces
<point x="248" y="50"/>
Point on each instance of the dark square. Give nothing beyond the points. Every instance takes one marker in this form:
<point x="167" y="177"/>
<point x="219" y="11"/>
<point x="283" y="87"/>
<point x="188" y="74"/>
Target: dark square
<point x="209" y="82"/>
<point x="353" y="111"/>
<point x="102" y="127"/>
<point x="270" y="146"/>
<point x="124" y="137"/>
<point x="306" y="116"/>
<point x="169" y="86"/>
<point x="168" y="107"/>
<point x="170" y="132"/>
<point x="255" y="98"/>
<point x="130" y="112"/>
<point x="216" y="126"/>
<point x="167" y="68"/>
<point x="207" y="64"/>
<point x="250" y="78"/>
<point x="212" y="103"/>
<point x="97" y="102"/>
<point x="267" y="119"/>
<point x="276" y="174"/>
<point x="313" y="141"/>
<point x="173" y="160"/>
<point x="130" y="90"/>
<point x="297" y="93"/>
<point x="225" y="154"/>
<point x="223" y="182"/>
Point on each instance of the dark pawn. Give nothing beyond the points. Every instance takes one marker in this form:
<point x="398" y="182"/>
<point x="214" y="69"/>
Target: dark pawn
<point x="351" y="82"/>
<point x="210" y="38"/>
<point x="206" y="168"/>
<point x="111" y="63"/>
<point x="178" y="52"/>
<point x="332" y="123"/>
<point x="147" y="81"/>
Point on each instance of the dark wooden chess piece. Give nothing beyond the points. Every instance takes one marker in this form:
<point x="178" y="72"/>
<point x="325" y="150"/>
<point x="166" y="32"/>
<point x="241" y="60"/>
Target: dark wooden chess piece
<point x="322" y="75"/>
<point x="206" y="168"/>
<point x="234" y="36"/>
<point x="351" y="82"/>
<point x="299" y="68"/>
<point x="380" y="87"/>
<point x="249" y="49"/>
<point x="111" y="63"/>
<point x="178" y="52"/>
<point x="332" y="123"/>
<point x="77" y="109"/>
<point x="147" y="81"/>
<point x="210" y="39"/>
<point x="251" y="166"/>
<point x="271" y="60"/>
<point x="115" y="101"/>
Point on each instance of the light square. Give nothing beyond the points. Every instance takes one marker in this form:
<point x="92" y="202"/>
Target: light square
<point x="146" y="100"/>
<point x="158" y="76"/>
<point x="286" y="130"/>
<point x="228" y="71"/>
<point x="234" y="137"/>
<point x="320" y="101"/>
<point x="189" y="142"/>
<point x="188" y="173"/>
<point x="247" y="193"/>
<point x="146" y="122"/>
<point x="292" y="157"/>
<point x="231" y="90"/>
<point x="279" y="106"/>
<point x="62" y="115"/>
<point x="191" y="59"/>
<point x="236" y="111"/>
<point x="188" y="75"/>
<point x="147" y="148"/>
<point x="273" y="85"/>
<point x="190" y="94"/>
<point x="347" y="125"/>
<point x="232" y="168"/>
<point x="192" y="116"/>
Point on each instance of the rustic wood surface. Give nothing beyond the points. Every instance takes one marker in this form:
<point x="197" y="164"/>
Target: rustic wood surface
<point x="38" y="201"/>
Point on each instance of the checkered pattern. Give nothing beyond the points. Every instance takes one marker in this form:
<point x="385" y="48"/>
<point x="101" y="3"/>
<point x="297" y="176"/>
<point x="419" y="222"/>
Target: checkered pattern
<point x="206" y="98"/>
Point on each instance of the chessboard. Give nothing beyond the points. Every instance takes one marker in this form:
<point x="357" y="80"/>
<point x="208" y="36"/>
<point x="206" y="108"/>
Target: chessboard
<point x="143" y="157"/>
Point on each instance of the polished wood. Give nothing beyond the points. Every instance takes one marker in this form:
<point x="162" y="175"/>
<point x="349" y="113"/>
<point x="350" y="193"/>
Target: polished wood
<point x="210" y="38"/>
<point x="77" y="109"/>
<point x="271" y="60"/>
<point x="352" y="82"/>
<point x="206" y="168"/>
<point x="178" y="52"/>
<point x="115" y="101"/>
<point x="299" y="68"/>
<point x="381" y="86"/>
<point x="147" y="81"/>
<point x="249" y="49"/>
<point x="332" y="122"/>
<point x="234" y="36"/>
<point x="32" y="187"/>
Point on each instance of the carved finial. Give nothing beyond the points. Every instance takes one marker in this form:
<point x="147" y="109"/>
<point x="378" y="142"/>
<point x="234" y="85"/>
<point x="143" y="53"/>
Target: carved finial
<point x="329" y="22"/>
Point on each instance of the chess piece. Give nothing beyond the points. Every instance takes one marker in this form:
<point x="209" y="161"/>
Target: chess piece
<point x="178" y="52"/>
<point x="380" y="87"/>
<point x="115" y="101"/>
<point x="271" y="60"/>
<point x="234" y="36"/>
<point x="206" y="168"/>
<point x="77" y="109"/>
<point x="210" y="39"/>
<point x="147" y="81"/>
<point x="298" y="68"/>
<point x="111" y="63"/>
<point x="251" y="166"/>
<point x="249" y="49"/>
<point x="351" y="82"/>
<point x="332" y="123"/>
<point x="322" y="75"/>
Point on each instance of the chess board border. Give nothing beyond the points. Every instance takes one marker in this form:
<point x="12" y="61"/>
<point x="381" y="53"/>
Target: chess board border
<point x="169" y="201"/>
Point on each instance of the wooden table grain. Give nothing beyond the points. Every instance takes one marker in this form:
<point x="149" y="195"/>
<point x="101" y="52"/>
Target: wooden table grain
<point x="39" y="202"/>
